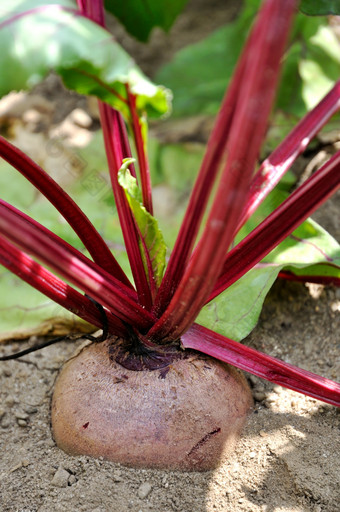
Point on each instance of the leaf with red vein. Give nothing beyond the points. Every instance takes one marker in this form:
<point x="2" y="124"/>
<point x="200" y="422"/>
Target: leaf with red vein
<point x="83" y="53"/>
<point x="309" y="278"/>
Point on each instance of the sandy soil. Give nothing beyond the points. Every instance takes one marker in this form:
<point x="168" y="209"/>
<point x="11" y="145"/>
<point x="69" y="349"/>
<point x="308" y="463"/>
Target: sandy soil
<point x="286" y="461"/>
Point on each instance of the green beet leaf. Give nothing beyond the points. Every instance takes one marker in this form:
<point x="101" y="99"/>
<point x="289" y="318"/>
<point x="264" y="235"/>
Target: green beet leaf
<point x="236" y="311"/>
<point x="310" y="68"/>
<point x="140" y="16"/>
<point x="37" y="37"/>
<point x="320" y="7"/>
<point x="153" y="248"/>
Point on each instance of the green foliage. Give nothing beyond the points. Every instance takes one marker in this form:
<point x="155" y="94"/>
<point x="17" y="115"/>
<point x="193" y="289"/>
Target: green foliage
<point x="150" y="233"/>
<point x="141" y="16"/>
<point x="199" y="73"/>
<point x="22" y="307"/>
<point x="236" y="311"/>
<point x="86" y="56"/>
<point x="175" y="164"/>
<point x="320" y="7"/>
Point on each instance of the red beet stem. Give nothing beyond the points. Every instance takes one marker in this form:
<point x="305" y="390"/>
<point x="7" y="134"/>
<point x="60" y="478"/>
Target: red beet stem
<point x="44" y="281"/>
<point x="66" y="206"/>
<point x="264" y="366"/>
<point x="279" y="224"/>
<point x="245" y="137"/>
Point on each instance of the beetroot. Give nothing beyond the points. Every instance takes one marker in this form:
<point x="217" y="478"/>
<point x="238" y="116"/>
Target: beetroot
<point x="185" y="414"/>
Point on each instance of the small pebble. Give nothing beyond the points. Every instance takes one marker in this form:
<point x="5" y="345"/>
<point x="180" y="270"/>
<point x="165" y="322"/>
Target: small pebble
<point x="117" y="475"/>
<point x="5" y="423"/>
<point x="72" y="480"/>
<point x="10" y="401"/>
<point x="2" y="413"/>
<point x="262" y="433"/>
<point x="22" y="423"/>
<point x="60" y="478"/>
<point x="254" y="380"/>
<point x="31" y="409"/>
<point x="144" y="490"/>
<point x="21" y="415"/>
<point x="259" y="396"/>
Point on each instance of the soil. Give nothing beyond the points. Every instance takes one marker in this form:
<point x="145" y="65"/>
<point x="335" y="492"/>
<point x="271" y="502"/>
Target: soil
<point x="287" y="458"/>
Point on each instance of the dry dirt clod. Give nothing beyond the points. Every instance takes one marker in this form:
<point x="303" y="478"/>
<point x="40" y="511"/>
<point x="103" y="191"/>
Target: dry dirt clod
<point x="144" y="490"/>
<point x="72" y="480"/>
<point x="20" y="415"/>
<point x="60" y="478"/>
<point x="22" y="423"/>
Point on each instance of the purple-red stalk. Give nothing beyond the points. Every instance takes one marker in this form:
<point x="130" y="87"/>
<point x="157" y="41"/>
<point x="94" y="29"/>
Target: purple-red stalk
<point x="111" y="124"/>
<point x="246" y="135"/>
<point x="279" y="224"/>
<point x="41" y="243"/>
<point x="141" y="152"/>
<point x="213" y="161"/>
<point x="61" y="293"/>
<point x="87" y="233"/>
<point x="248" y="359"/>
<point x="277" y="164"/>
